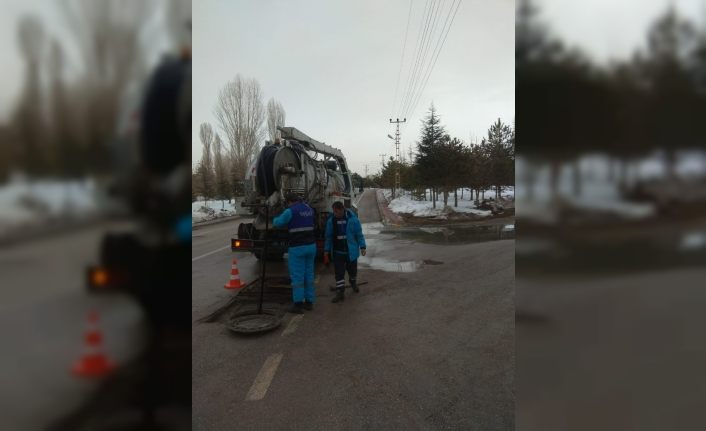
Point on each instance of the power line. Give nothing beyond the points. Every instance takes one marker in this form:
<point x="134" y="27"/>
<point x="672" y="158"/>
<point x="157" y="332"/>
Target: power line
<point x="404" y="47"/>
<point x="382" y="160"/>
<point x="421" y="55"/>
<point x="438" y="52"/>
<point x="425" y="51"/>
<point x="420" y="36"/>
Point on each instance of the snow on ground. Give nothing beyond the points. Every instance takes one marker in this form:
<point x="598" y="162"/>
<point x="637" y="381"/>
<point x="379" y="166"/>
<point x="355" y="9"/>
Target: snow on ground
<point x="202" y="211"/>
<point x="693" y="241"/>
<point x="599" y="193"/>
<point x="25" y="202"/>
<point x="406" y="205"/>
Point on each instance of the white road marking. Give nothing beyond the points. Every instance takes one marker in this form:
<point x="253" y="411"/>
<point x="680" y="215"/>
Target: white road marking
<point x="209" y="253"/>
<point x="293" y="323"/>
<point x="264" y="378"/>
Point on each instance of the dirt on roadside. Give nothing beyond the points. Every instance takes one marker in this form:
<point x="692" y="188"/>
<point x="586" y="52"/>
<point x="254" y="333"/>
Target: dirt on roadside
<point x="507" y="217"/>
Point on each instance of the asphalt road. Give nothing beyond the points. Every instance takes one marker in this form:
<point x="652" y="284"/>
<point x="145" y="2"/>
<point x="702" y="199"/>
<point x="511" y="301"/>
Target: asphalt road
<point x="43" y="312"/>
<point x="611" y="352"/>
<point x="427" y="344"/>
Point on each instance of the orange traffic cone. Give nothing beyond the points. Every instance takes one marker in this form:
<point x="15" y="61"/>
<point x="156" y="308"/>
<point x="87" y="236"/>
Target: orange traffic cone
<point x="94" y="362"/>
<point x="234" y="282"/>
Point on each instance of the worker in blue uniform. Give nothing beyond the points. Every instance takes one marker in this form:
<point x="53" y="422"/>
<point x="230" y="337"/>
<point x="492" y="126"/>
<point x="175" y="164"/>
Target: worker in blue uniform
<point x="345" y="243"/>
<point x="299" y="219"/>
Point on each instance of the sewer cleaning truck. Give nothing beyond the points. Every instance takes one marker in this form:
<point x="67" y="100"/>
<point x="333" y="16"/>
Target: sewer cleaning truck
<point x="294" y="163"/>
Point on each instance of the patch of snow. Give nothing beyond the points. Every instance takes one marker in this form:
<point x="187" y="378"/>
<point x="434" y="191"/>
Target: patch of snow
<point x="406" y="205"/>
<point x="432" y="230"/>
<point x="25" y="202"/>
<point x="693" y="241"/>
<point x="202" y="211"/>
<point x="598" y="191"/>
<point x="631" y="210"/>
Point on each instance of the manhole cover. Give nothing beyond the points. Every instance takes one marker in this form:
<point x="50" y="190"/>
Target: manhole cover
<point x="251" y="322"/>
<point x="432" y="262"/>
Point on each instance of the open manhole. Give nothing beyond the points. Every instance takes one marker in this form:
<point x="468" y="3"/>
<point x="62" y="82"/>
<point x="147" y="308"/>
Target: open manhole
<point x="252" y="322"/>
<point x="432" y="262"/>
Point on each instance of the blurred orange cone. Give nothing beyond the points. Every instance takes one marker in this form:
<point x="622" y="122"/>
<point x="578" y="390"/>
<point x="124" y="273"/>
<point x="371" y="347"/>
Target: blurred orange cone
<point x="234" y="282"/>
<point x="94" y="362"/>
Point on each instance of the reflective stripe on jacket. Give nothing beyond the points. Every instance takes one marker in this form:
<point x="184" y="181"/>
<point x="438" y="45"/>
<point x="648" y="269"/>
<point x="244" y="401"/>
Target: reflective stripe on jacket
<point x="354" y="235"/>
<point x="301" y="225"/>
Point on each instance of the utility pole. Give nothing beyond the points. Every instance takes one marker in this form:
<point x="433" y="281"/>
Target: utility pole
<point x="397" y="153"/>
<point x="366" y="171"/>
<point x="382" y="161"/>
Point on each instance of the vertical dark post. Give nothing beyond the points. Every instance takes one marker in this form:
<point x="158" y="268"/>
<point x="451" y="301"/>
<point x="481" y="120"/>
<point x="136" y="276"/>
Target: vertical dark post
<point x="397" y="154"/>
<point x="263" y="259"/>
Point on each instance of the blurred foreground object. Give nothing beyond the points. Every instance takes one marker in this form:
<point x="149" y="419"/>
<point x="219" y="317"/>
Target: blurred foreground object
<point x="94" y="362"/>
<point x="152" y="265"/>
<point x="611" y="243"/>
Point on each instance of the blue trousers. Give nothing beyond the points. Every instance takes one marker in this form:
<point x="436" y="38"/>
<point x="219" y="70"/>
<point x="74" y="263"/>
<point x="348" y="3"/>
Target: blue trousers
<point x="301" y="271"/>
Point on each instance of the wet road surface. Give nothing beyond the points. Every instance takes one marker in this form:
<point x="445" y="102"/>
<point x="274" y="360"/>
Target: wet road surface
<point x="43" y="318"/>
<point x="428" y="343"/>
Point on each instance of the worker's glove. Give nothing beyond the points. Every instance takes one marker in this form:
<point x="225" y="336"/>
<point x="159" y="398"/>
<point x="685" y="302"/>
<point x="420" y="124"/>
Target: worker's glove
<point x="362" y="251"/>
<point x="326" y="259"/>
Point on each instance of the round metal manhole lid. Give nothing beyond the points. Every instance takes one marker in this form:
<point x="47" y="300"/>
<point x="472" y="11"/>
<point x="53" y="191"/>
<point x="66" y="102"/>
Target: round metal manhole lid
<point x="251" y="322"/>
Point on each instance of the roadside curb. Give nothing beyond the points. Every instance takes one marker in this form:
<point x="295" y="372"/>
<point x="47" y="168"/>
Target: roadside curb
<point x="216" y="221"/>
<point x="51" y="227"/>
<point x="389" y="218"/>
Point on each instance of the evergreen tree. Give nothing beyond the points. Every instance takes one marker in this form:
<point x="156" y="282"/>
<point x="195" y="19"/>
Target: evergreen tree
<point x="450" y="154"/>
<point x="500" y="152"/>
<point x="428" y="159"/>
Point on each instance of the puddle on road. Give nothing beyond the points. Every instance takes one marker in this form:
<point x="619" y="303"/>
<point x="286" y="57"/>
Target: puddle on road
<point x="377" y="234"/>
<point x="389" y="265"/>
<point x="453" y="234"/>
<point x="372" y="228"/>
<point x="652" y="249"/>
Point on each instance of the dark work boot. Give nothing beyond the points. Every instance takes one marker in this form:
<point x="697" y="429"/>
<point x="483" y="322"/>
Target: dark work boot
<point x="296" y="308"/>
<point x="308" y="306"/>
<point x="354" y="285"/>
<point x="340" y="296"/>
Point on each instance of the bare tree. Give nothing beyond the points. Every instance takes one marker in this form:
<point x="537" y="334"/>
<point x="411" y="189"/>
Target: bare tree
<point x="275" y="118"/>
<point x="108" y="34"/>
<point x="29" y="116"/>
<point x="240" y="113"/>
<point x="67" y="159"/>
<point x="222" y="186"/>
<point x="206" y="134"/>
<point x="206" y="166"/>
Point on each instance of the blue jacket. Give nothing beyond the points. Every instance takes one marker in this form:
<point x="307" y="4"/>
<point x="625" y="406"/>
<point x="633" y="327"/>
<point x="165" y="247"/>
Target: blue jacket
<point x="299" y="218"/>
<point x="354" y="235"/>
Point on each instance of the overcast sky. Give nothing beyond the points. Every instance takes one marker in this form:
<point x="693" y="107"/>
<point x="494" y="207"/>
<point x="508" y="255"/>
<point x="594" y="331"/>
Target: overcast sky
<point x="334" y="66"/>
<point x="609" y="29"/>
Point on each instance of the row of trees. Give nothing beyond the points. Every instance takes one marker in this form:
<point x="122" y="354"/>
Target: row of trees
<point x="244" y="120"/>
<point x="444" y="164"/>
<point x="628" y="109"/>
<point x="71" y="118"/>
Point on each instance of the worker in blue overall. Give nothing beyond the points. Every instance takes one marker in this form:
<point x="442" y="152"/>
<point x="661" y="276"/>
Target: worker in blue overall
<point x="344" y="239"/>
<point x="299" y="219"/>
